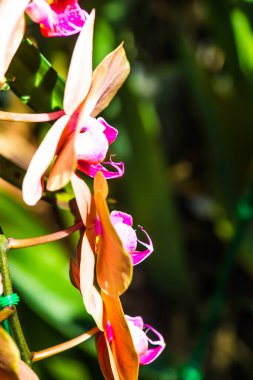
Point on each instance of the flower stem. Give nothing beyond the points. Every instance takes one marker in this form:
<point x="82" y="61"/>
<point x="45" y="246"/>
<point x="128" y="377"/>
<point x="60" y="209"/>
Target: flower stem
<point x="43" y="354"/>
<point x="23" y="243"/>
<point x="31" y="117"/>
<point x="7" y="285"/>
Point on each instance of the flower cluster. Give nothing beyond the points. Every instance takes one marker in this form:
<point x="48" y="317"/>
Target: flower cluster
<point x="78" y="142"/>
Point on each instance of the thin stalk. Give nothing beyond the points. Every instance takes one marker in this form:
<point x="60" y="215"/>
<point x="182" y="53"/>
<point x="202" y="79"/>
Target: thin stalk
<point x="31" y="117"/>
<point x="23" y="243"/>
<point x="43" y="354"/>
<point x="15" y="325"/>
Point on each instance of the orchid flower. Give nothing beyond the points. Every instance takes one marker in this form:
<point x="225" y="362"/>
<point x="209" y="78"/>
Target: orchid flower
<point x="56" y="18"/>
<point x="124" y="337"/>
<point x="139" y="332"/>
<point x="78" y="136"/>
<point x="113" y="263"/>
<point x="122" y="223"/>
<point x="117" y="354"/>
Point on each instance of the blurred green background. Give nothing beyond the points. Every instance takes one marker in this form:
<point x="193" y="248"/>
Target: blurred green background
<point x="185" y="120"/>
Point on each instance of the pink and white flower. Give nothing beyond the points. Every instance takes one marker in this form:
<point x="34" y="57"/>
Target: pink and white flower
<point x="56" y="18"/>
<point x="123" y="222"/>
<point x="78" y="139"/>
<point x="147" y="348"/>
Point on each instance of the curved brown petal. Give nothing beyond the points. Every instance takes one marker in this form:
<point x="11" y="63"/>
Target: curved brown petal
<point x="107" y="78"/>
<point x="122" y="346"/>
<point x="80" y="71"/>
<point x="114" y="264"/>
<point x="33" y="182"/>
<point x="12" y="29"/>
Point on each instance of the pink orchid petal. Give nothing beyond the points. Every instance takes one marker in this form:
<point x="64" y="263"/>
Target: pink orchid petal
<point x="32" y="184"/>
<point x="40" y="12"/>
<point x="137" y="321"/>
<point x="152" y="353"/>
<point x="80" y="71"/>
<point x="110" y="132"/>
<point x="139" y="256"/>
<point x="119" y="216"/>
<point x="12" y="28"/>
<point x="68" y="19"/>
<point x="91" y="170"/>
<point x="127" y="235"/>
<point x="139" y="338"/>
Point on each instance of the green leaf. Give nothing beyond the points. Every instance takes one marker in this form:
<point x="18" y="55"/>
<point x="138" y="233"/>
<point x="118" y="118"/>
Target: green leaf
<point x="35" y="81"/>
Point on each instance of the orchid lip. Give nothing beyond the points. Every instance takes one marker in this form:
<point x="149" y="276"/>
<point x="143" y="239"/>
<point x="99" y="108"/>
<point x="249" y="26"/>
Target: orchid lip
<point x="139" y="256"/>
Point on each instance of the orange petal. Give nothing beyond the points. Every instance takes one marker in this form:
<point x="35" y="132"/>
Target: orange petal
<point x="100" y="184"/>
<point x="80" y="70"/>
<point x="9" y="357"/>
<point x="12" y="29"/>
<point x="32" y="184"/>
<point x="108" y="77"/>
<point x="114" y="265"/>
<point x="123" y="350"/>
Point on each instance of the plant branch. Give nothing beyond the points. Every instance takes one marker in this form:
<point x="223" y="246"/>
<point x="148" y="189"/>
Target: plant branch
<point x="8" y="290"/>
<point x="43" y="354"/>
<point x="23" y="243"/>
<point x="31" y="117"/>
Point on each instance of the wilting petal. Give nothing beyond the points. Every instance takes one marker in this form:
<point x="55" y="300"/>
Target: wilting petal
<point x="107" y="78"/>
<point x="80" y="70"/>
<point x="152" y="353"/>
<point x="114" y="264"/>
<point x="91" y="170"/>
<point x="110" y="132"/>
<point x="68" y="19"/>
<point x="12" y="28"/>
<point x="121" y="217"/>
<point x="32" y="184"/>
<point x="121" y="344"/>
<point x="139" y="256"/>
